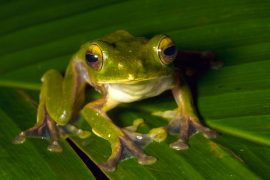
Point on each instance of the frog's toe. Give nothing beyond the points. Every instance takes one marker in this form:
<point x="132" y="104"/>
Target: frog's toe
<point x="83" y="134"/>
<point x="137" y="151"/>
<point x="139" y="138"/>
<point x="146" y="160"/>
<point x="107" y="166"/>
<point x="73" y="130"/>
<point x="179" y="145"/>
<point x="31" y="132"/>
<point x="158" y="134"/>
<point x="55" y="146"/>
<point x="208" y="133"/>
<point x="20" y="138"/>
<point x="136" y="124"/>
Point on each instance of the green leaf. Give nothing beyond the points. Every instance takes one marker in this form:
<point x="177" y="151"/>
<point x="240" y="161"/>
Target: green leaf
<point x="235" y="100"/>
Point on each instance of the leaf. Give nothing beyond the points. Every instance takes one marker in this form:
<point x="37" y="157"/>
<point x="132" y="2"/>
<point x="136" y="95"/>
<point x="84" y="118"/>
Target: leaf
<point x="234" y="99"/>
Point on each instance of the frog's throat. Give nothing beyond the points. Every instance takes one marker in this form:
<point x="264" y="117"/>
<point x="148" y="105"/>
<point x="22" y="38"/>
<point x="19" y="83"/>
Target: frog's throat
<point x="131" y="91"/>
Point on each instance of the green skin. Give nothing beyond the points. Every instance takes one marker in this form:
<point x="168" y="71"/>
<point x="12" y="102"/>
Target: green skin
<point x="128" y="61"/>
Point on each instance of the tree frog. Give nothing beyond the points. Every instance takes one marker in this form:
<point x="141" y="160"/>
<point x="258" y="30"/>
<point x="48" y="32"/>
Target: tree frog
<point x="124" y="69"/>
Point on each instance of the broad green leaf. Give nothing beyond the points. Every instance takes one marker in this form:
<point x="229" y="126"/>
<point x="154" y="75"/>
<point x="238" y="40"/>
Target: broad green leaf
<point x="187" y="164"/>
<point x="234" y="100"/>
<point x="256" y="157"/>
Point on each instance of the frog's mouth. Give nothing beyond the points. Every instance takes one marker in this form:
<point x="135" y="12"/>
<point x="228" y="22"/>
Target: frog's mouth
<point x="131" y="80"/>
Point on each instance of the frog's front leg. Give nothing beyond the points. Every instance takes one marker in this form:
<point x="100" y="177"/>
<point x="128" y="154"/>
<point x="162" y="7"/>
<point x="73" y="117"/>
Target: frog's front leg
<point x="45" y="126"/>
<point x="102" y="126"/>
<point x="60" y="99"/>
<point x="186" y="116"/>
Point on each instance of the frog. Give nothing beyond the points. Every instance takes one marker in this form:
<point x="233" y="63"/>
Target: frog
<point x="123" y="69"/>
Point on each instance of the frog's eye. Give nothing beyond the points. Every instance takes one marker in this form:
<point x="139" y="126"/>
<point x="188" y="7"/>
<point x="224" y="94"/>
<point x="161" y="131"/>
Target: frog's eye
<point x="166" y="50"/>
<point x="94" y="57"/>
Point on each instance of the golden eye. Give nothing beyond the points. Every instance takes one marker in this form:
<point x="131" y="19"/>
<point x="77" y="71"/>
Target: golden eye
<point x="166" y="50"/>
<point x="94" y="57"/>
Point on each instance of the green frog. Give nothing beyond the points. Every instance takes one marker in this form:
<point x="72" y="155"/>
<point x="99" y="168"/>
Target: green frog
<point x="124" y="69"/>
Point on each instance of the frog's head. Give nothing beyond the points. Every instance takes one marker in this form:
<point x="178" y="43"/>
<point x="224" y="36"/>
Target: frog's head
<point x="123" y="58"/>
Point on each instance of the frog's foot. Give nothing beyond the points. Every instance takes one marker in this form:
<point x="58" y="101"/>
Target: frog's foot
<point x="197" y="62"/>
<point x="70" y="129"/>
<point x="131" y="144"/>
<point x="39" y="130"/>
<point x="136" y="124"/>
<point x="211" y="58"/>
<point x="120" y="148"/>
<point x="34" y="131"/>
<point x="46" y="130"/>
<point x="184" y="125"/>
<point x="156" y="134"/>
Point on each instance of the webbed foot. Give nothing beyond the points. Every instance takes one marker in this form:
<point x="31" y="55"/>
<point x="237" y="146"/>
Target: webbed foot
<point x="48" y="129"/>
<point x="123" y="141"/>
<point x="155" y="134"/>
<point x="54" y="146"/>
<point x="20" y="138"/>
<point x="45" y="130"/>
<point x="184" y="125"/>
<point x="120" y="148"/>
<point x="130" y="143"/>
<point x="179" y="145"/>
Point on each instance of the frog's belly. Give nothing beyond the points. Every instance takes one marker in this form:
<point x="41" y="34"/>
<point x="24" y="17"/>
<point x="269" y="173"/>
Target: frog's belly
<point x="140" y="90"/>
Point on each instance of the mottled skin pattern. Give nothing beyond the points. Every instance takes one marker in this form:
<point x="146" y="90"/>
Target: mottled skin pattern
<point x="123" y="68"/>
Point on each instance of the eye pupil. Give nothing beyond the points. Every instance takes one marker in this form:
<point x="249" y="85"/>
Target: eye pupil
<point x="91" y="57"/>
<point x="170" y="51"/>
<point x="94" y="57"/>
<point x="166" y="50"/>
